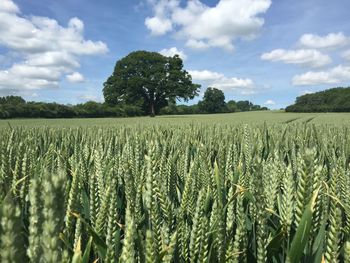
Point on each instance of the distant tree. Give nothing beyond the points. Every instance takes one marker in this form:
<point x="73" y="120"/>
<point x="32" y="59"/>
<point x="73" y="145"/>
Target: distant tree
<point x="13" y="100"/>
<point x="331" y="100"/>
<point x="213" y="101"/>
<point x="231" y="106"/>
<point x="255" y="108"/>
<point x="244" y="105"/>
<point x="150" y="80"/>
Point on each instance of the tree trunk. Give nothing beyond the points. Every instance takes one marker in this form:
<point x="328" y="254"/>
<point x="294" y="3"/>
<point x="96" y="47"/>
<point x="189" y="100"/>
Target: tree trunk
<point x="153" y="113"/>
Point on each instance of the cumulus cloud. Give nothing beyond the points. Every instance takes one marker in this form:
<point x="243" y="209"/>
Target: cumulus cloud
<point x="8" y="6"/>
<point x="270" y="102"/>
<point x="170" y="52"/>
<point x="20" y="77"/>
<point x="346" y="55"/>
<point x="304" y="57"/>
<point x="75" y="77"/>
<point x="204" y="26"/>
<point x="304" y="92"/>
<point x="197" y="44"/>
<point x="158" y="26"/>
<point x="48" y="50"/>
<point x="227" y="83"/>
<point x="161" y="23"/>
<point x="331" y="41"/>
<point x="334" y="75"/>
<point x="90" y="97"/>
<point x="205" y="75"/>
<point x="220" y="81"/>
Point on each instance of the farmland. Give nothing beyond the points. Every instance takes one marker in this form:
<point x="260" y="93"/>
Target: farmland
<point x="259" y="117"/>
<point x="242" y="187"/>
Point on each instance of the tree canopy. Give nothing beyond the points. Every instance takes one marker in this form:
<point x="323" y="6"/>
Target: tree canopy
<point x="14" y="100"/>
<point x="150" y="80"/>
<point x="213" y="101"/>
<point x="17" y="107"/>
<point x="331" y="100"/>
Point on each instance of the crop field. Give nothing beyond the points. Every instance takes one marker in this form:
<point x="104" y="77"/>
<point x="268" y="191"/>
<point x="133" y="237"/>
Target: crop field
<point x="258" y="117"/>
<point x="242" y="187"/>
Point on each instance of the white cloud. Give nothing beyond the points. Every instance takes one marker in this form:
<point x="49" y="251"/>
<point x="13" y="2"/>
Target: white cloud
<point x="161" y="23"/>
<point x="52" y="59"/>
<point x="20" y="77"/>
<point x="226" y="83"/>
<point x="172" y="52"/>
<point x="48" y="50"/>
<point x="75" y="77"/>
<point x="270" y="102"/>
<point x="331" y="41"/>
<point x="158" y="26"/>
<point x="8" y="6"/>
<point x="304" y="92"/>
<point x="304" y="57"/>
<point x="197" y="44"/>
<point x="335" y="75"/>
<point x="203" y="26"/>
<point x="90" y="97"/>
<point x="346" y="55"/>
<point x="205" y="75"/>
<point x="220" y="81"/>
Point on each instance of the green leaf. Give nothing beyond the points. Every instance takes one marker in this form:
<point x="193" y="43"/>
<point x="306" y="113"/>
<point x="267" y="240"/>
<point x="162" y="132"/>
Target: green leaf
<point x="77" y="253"/>
<point x="319" y="238"/>
<point x="275" y="244"/>
<point x="218" y="180"/>
<point x="66" y="242"/>
<point x="317" y="247"/>
<point x="86" y="206"/>
<point x="98" y="241"/>
<point x="303" y="231"/>
<point x="77" y="258"/>
<point x="86" y="255"/>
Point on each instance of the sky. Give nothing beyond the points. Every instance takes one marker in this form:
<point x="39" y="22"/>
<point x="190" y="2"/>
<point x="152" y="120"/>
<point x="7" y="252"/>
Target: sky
<point x="265" y="51"/>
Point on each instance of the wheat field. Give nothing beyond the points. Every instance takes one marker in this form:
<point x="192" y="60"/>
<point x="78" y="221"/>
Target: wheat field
<point x="257" y="117"/>
<point x="176" y="192"/>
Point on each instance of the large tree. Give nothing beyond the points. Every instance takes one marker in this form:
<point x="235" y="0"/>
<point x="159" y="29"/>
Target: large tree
<point x="213" y="101"/>
<point x="150" y="80"/>
<point x="244" y="105"/>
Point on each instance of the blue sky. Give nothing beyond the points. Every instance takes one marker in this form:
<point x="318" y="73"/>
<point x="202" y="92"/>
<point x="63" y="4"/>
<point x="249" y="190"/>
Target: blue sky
<point x="265" y="51"/>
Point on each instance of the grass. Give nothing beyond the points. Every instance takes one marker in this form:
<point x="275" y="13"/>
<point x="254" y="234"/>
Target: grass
<point x="270" y="117"/>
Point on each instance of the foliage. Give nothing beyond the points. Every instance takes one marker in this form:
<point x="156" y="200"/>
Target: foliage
<point x="213" y="101"/>
<point x="175" y="193"/>
<point x="19" y="108"/>
<point x="229" y="107"/>
<point x="150" y="80"/>
<point x="331" y="100"/>
<point x="13" y="100"/>
<point x="11" y="108"/>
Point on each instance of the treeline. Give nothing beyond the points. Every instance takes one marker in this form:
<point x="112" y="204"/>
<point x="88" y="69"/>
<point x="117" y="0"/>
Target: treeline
<point x="229" y="107"/>
<point x="213" y="102"/>
<point x="17" y="107"/>
<point x="331" y="100"/>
